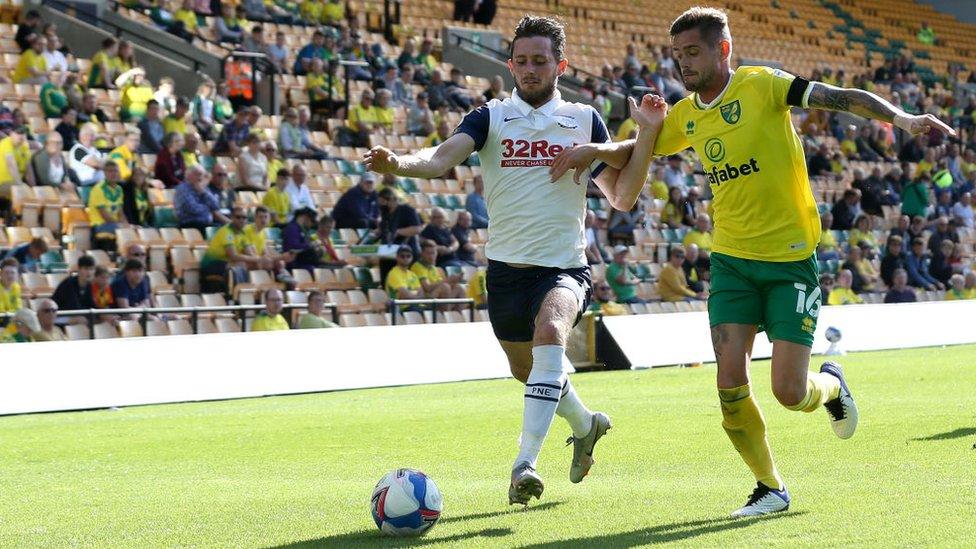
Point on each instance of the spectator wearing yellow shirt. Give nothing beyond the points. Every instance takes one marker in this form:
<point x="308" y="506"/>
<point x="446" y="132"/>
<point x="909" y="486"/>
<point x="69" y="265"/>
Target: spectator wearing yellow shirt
<point x="827" y="247"/>
<point x="432" y="279"/>
<point x="10" y="292"/>
<point x="701" y="234"/>
<point x="314" y="318"/>
<point x="866" y="277"/>
<point x="957" y="289"/>
<point x="227" y="252"/>
<point x="277" y="200"/>
<point x="14" y="157"/>
<point x="32" y="66"/>
<point x="478" y="289"/>
<point x="175" y="122"/>
<point x="22" y="328"/>
<point x="317" y="86"/>
<point x="848" y="145"/>
<point x="925" y="34"/>
<point x="124" y="155"/>
<point x="188" y="17"/>
<point x="256" y="245"/>
<point x="603" y="302"/>
<point x="105" y="208"/>
<point x="672" y="284"/>
<point x="401" y="282"/>
<point x="659" y="188"/>
<point x="102" y="73"/>
<point x="333" y="12"/>
<point x="842" y="294"/>
<point x="674" y="209"/>
<point x="384" y="111"/>
<point x="439" y="136"/>
<point x="311" y="10"/>
<point x="626" y="131"/>
<point x="191" y="148"/>
<point x="270" y="318"/>
<point x="124" y="61"/>
<point x="861" y="233"/>
<point x="135" y="96"/>
<point x="361" y="119"/>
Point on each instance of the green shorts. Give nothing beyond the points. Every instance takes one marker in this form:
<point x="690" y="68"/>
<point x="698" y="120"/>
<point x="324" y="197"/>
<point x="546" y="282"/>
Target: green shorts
<point x="781" y="298"/>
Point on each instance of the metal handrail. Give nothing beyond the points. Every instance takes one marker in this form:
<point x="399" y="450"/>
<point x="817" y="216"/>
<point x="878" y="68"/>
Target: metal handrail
<point x="395" y="303"/>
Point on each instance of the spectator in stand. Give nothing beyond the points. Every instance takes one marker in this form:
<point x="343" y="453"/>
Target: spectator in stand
<point x="438" y="232"/>
<point x="254" y="41"/>
<point x="894" y="258"/>
<point x="68" y="128"/>
<point x="220" y="187"/>
<point x="278" y="53"/>
<point x="233" y="134"/>
<point x="842" y="294"/>
<point x="901" y="229"/>
<point x="361" y="119"/>
<point x="862" y="233"/>
<point x="434" y="282"/>
<point x="827" y="249"/>
<point x="621" y="225"/>
<point x="32" y="66"/>
<point x="124" y="155"/>
<point x="917" y="229"/>
<point x="105" y="208"/>
<point x="957" y="289"/>
<point x="53" y="96"/>
<point x="437" y="90"/>
<point x="399" y="223"/>
<point x="383" y="110"/>
<point x="900" y="291"/>
<point x="872" y="191"/>
<point x="593" y="251"/>
<point x="943" y="205"/>
<point x="475" y="204"/>
<point x="496" y="90"/>
<point x="457" y="93"/>
<point x="256" y="245"/>
<point x="175" y="122"/>
<point x="25" y="29"/>
<point x="865" y="275"/>
<point x="275" y="160"/>
<point x="270" y="319"/>
<point x="333" y="13"/>
<point x="826" y="284"/>
<point x="202" y="110"/>
<point x="323" y="98"/>
<point x="297" y="190"/>
<point x="672" y="283"/>
<point x="195" y="207"/>
<point x="188" y="17"/>
<point x="314" y="318"/>
<point x="135" y="198"/>
<point x="74" y="292"/>
<point x="226" y="254"/>
<point x="400" y="281"/>
<point x="228" y="25"/>
<point x="295" y="141"/>
<point x="962" y="211"/>
<point x="14" y="157"/>
<point x="191" y="148"/>
<point x="151" y="128"/>
<point x="277" y="200"/>
<point x="47" y="165"/>
<point x="47" y="314"/>
<point x="10" y="291"/>
<point x="917" y="263"/>
<point x="28" y="254"/>
<point x="223" y="108"/>
<point x="701" y="234"/>
<point x="103" y="72"/>
<point x="926" y="35"/>
<point x="621" y="279"/>
<point x="941" y="267"/>
<point x="296" y="238"/>
<point x="462" y="232"/>
<point x="696" y="269"/>
<point x="252" y="166"/>
<point x="132" y="288"/>
<point x="420" y="119"/>
<point x="24" y="324"/>
<point x="358" y="207"/>
<point x="819" y="163"/>
<point x="313" y="50"/>
<point x="943" y="231"/>
<point x="402" y="87"/>
<point x="323" y="240"/>
<point x="846" y="210"/>
<point x="603" y="302"/>
<point x="673" y="212"/>
<point x="170" y="167"/>
<point x="478" y="289"/>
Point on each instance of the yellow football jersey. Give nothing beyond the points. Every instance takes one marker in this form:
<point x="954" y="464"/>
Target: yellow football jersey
<point x="763" y="206"/>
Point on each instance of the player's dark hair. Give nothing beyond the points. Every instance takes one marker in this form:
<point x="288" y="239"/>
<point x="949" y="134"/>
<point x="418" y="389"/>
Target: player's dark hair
<point x="547" y="27"/>
<point x="712" y="23"/>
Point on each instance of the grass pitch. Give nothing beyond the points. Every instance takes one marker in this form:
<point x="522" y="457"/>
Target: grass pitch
<point x="297" y="471"/>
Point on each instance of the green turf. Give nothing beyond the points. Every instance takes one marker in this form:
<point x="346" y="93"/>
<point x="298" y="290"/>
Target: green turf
<point x="280" y="471"/>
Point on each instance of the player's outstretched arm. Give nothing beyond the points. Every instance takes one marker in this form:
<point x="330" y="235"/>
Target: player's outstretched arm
<point x="869" y="105"/>
<point x="426" y="163"/>
<point x="623" y="187"/>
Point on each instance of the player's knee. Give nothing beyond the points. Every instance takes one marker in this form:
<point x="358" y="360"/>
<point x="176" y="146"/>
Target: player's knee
<point x="549" y="332"/>
<point x="788" y="393"/>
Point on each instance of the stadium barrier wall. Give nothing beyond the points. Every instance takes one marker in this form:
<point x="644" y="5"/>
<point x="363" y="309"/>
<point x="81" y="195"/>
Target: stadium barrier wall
<point x="682" y="338"/>
<point x="77" y="375"/>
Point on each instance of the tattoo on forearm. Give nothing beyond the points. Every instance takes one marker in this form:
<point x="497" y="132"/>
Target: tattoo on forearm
<point x="859" y="102"/>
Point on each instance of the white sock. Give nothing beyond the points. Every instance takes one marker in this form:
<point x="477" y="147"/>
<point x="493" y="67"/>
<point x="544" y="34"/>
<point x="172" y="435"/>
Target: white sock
<point x="542" y="392"/>
<point x="572" y="409"/>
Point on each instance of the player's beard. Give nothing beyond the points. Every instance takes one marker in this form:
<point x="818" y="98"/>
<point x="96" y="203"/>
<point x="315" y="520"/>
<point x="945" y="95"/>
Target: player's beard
<point x="536" y="98"/>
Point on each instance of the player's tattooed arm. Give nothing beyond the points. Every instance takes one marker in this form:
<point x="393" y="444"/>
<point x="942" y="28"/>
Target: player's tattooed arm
<point x="868" y="105"/>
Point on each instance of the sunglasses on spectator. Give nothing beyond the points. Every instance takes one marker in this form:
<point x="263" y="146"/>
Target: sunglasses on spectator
<point x="139" y="254"/>
<point x="239" y="216"/>
<point x="47" y="310"/>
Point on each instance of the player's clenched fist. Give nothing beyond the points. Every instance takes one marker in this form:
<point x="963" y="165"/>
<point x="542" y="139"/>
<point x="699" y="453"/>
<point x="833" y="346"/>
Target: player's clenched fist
<point x="381" y="160"/>
<point x="651" y="111"/>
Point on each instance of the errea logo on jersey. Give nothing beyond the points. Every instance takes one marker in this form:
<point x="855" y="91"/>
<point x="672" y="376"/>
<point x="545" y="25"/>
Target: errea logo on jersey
<point x="520" y="153"/>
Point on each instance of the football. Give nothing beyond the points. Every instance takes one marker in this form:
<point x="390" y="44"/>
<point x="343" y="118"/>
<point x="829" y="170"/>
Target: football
<point x="832" y="334"/>
<point x="405" y="502"/>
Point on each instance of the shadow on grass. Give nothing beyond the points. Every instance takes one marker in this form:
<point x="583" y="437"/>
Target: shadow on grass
<point x="375" y="538"/>
<point x="664" y="533"/>
<point x="949" y="435"/>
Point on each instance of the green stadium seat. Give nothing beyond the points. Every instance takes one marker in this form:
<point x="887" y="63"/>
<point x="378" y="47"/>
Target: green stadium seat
<point x="452" y="270"/>
<point x="365" y="279"/>
<point x="210" y="232"/>
<point x="273" y="234"/>
<point x="409" y="186"/>
<point x="165" y="216"/>
<point x="52" y="261"/>
<point x="84" y="193"/>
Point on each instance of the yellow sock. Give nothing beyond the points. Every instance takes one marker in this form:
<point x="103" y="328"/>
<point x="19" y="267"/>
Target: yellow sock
<point x="820" y="389"/>
<point x="744" y="424"/>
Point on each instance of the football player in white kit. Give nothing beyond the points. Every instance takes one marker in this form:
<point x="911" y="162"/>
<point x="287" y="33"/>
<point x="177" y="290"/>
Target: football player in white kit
<point x="538" y="279"/>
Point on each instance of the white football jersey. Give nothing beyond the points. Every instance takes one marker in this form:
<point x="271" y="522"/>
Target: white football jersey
<point x="531" y="220"/>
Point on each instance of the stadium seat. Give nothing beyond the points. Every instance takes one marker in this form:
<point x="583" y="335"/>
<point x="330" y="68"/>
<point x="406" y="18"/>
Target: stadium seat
<point x="104" y="330"/>
<point x="179" y="327"/>
<point x="157" y="328"/>
<point x="129" y="328"/>
<point x="227" y="325"/>
<point x="352" y="320"/>
<point x="413" y="317"/>
<point x="76" y="332"/>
